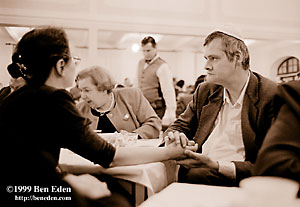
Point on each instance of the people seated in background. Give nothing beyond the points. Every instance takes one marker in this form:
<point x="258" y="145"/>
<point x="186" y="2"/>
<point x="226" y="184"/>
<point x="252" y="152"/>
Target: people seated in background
<point x="40" y="118"/>
<point x="179" y="88"/>
<point x="14" y="84"/>
<point x="280" y="151"/>
<point x="228" y="117"/>
<point x="184" y="99"/>
<point x="114" y="109"/>
<point x="127" y="82"/>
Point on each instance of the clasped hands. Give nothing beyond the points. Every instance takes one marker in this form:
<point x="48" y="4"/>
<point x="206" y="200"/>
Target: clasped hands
<point x="191" y="158"/>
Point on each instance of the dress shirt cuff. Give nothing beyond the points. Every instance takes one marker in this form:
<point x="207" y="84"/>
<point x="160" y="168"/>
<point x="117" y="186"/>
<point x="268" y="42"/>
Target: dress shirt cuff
<point x="169" y="116"/>
<point x="227" y="168"/>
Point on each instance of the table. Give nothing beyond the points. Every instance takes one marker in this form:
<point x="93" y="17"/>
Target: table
<point x="141" y="180"/>
<point x="191" y="195"/>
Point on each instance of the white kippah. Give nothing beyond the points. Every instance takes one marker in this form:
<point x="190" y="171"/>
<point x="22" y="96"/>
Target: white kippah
<point x="230" y="30"/>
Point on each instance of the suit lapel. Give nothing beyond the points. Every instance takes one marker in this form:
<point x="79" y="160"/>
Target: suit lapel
<point x="249" y="114"/>
<point x="208" y="116"/>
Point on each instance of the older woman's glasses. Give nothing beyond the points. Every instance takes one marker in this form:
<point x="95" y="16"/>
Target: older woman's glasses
<point x="76" y="60"/>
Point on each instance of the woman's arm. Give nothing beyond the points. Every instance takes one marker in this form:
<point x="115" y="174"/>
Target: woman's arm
<point x="140" y="155"/>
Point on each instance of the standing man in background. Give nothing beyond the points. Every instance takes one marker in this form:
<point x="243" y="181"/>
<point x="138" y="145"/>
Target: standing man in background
<point x="155" y="81"/>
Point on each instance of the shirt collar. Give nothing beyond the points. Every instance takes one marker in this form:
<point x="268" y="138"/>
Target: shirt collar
<point x="153" y="59"/>
<point x="241" y="97"/>
<point x="110" y="107"/>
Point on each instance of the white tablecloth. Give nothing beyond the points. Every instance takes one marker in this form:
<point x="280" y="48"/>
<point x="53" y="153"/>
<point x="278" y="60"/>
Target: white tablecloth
<point x="155" y="176"/>
<point x="192" y="195"/>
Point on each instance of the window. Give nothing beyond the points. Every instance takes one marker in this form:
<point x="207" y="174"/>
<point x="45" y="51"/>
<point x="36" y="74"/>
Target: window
<point x="288" y="69"/>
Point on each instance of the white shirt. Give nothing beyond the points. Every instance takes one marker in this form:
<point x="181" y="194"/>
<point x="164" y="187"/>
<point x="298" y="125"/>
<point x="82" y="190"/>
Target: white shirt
<point x="165" y="77"/>
<point x="225" y="143"/>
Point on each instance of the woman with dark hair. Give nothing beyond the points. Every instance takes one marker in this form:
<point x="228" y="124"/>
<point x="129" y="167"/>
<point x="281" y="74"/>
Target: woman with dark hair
<point x="47" y="120"/>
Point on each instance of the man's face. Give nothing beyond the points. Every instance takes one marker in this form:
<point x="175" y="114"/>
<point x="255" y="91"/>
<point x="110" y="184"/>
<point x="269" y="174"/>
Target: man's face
<point x="149" y="51"/>
<point x="219" y="69"/>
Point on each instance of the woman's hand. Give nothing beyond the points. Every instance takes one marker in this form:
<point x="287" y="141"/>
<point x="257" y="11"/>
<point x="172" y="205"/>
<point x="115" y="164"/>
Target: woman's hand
<point x="179" y="138"/>
<point x="88" y="186"/>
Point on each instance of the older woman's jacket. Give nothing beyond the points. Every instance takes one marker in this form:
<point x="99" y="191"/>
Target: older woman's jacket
<point x="132" y="112"/>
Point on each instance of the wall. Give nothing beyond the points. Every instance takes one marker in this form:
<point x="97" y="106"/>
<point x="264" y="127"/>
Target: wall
<point x="265" y="58"/>
<point x="269" y="21"/>
<point x="5" y="57"/>
<point x="123" y="63"/>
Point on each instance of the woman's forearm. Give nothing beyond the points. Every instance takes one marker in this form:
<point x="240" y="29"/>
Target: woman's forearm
<point x="140" y="155"/>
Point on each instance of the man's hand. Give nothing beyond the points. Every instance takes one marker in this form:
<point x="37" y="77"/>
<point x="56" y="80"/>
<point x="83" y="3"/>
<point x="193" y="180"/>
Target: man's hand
<point x="179" y="138"/>
<point x="197" y="160"/>
<point x="177" y="152"/>
<point x="178" y="141"/>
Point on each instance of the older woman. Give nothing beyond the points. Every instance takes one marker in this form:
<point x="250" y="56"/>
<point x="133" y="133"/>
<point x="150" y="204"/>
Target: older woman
<point x="117" y="109"/>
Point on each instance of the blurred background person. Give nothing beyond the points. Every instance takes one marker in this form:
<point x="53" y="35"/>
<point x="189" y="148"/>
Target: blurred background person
<point x="114" y="109"/>
<point x="185" y="98"/>
<point x="179" y="88"/>
<point x="14" y="84"/>
<point x="127" y="82"/>
<point x="156" y="82"/>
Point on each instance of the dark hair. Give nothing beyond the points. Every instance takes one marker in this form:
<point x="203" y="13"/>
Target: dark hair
<point x="147" y="40"/>
<point x="37" y="52"/>
<point x="180" y="83"/>
<point x="232" y="46"/>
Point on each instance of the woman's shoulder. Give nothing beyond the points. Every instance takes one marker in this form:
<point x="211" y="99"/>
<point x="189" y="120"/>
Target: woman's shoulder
<point x="130" y="95"/>
<point x="127" y="91"/>
<point x="55" y="93"/>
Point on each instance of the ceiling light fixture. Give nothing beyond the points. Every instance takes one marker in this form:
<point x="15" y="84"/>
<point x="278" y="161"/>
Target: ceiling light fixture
<point x="135" y="47"/>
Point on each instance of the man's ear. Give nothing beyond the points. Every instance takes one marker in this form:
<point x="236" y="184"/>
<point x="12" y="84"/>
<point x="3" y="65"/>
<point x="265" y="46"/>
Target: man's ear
<point x="238" y="57"/>
<point x="60" y="64"/>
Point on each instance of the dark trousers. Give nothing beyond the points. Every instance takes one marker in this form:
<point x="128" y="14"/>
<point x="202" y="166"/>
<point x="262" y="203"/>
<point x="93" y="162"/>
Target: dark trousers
<point x="204" y="176"/>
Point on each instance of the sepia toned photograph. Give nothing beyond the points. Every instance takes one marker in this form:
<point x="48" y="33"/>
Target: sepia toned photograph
<point x="135" y="103"/>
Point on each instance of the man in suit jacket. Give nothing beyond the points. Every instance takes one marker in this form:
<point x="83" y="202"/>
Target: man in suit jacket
<point x="279" y="154"/>
<point x="228" y="117"/>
